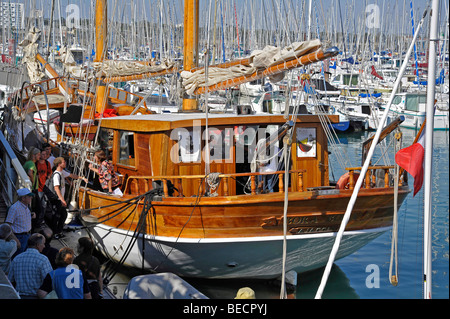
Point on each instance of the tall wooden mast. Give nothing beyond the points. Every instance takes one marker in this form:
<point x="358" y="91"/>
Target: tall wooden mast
<point x="190" y="46"/>
<point x="101" y="31"/>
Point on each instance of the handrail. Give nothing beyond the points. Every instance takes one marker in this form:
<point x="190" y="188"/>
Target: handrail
<point x="140" y="98"/>
<point x="370" y="178"/>
<point x="45" y="87"/>
<point x="200" y="178"/>
<point x="9" y="158"/>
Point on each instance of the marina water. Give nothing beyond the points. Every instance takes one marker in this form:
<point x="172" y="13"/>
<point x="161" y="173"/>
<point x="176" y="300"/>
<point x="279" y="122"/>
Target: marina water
<point x="365" y="274"/>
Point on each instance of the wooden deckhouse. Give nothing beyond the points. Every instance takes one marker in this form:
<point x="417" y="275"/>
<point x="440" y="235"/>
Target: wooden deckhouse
<point x="187" y="217"/>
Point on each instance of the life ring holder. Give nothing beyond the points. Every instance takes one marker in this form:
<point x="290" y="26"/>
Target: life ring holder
<point x="344" y="180"/>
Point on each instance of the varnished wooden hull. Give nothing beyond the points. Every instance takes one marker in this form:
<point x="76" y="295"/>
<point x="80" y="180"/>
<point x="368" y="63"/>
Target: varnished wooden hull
<point x="241" y="236"/>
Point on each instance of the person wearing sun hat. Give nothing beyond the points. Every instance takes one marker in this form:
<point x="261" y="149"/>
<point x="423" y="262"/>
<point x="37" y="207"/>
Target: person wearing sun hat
<point x="19" y="218"/>
<point x="245" y="293"/>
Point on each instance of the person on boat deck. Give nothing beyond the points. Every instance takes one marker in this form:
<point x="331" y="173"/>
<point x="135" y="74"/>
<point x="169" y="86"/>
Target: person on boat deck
<point x="44" y="171"/>
<point x="19" y="218"/>
<point x="28" y="270"/>
<point x="67" y="280"/>
<point x="60" y="213"/>
<point x="267" y="158"/>
<point x="90" y="266"/>
<point x="108" y="178"/>
<point x="8" y="246"/>
<point x="30" y="167"/>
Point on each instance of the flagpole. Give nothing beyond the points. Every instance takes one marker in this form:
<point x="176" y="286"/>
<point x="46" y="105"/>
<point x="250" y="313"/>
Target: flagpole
<point x="429" y="147"/>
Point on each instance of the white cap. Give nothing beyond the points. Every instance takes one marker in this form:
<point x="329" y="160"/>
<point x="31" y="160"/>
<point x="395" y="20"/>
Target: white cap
<point x="24" y="192"/>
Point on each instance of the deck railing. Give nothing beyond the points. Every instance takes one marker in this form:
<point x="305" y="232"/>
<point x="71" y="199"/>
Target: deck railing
<point x="370" y="180"/>
<point x="40" y="87"/>
<point x="142" y="184"/>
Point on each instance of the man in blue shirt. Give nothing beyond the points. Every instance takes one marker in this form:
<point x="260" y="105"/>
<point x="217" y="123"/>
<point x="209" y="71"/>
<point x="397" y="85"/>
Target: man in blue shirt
<point x="19" y="217"/>
<point x="28" y="269"/>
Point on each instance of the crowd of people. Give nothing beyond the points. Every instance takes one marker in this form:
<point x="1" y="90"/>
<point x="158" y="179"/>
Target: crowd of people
<point x="44" y="272"/>
<point x="34" y="267"/>
<point x="48" y="179"/>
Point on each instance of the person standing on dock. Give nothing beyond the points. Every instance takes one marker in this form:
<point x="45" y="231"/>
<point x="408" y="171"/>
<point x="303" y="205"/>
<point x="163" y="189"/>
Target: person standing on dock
<point x="30" y="166"/>
<point x="28" y="270"/>
<point x="31" y="169"/>
<point x="44" y="171"/>
<point x="67" y="280"/>
<point x="20" y="216"/>
<point x="90" y="266"/>
<point x="58" y="187"/>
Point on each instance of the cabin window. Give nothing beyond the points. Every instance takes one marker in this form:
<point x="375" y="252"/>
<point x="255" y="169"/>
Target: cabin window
<point x="220" y="142"/>
<point x="422" y="99"/>
<point x="412" y="103"/>
<point x="352" y="77"/>
<point x="306" y="142"/>
<point x="189" y="145"/>
<point x="126" y="149"/>
<point x="365" y="109"/>
<point x="397" y="100"/>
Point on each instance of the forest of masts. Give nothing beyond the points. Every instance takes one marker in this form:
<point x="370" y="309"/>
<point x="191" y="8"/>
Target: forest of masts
<point x="229" y="28"/>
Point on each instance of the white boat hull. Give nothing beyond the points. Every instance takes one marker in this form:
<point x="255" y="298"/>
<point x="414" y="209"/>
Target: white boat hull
<point x="254" y="257"/>
<point x="414" y="120"/>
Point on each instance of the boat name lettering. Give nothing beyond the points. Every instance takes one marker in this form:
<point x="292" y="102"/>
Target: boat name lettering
<point x="307" y="230"/>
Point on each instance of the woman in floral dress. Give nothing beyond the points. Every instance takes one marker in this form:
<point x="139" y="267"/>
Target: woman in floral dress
<point x="107" y="176"/>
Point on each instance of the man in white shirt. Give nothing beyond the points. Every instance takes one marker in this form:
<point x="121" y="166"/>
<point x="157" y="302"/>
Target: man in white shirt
<point x="59" y="185"/>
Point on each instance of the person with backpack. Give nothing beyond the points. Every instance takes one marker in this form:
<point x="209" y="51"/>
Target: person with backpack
<point x="55" y="192"/>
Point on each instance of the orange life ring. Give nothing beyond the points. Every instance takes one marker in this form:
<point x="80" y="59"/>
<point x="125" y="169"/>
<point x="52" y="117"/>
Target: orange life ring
<point x="343" y="182"/>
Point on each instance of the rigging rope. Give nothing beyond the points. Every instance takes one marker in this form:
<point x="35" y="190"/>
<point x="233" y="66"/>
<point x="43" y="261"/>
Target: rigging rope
<point x="394" y="249"/>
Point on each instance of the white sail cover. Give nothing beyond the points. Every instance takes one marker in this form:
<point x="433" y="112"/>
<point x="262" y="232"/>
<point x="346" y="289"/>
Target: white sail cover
<point x="259" y="59"/>
<point x="110" y="68"/>
<point x="30" y="49"/>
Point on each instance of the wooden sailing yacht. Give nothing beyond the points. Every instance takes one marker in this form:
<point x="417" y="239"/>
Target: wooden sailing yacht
<point x="193" y="202"/>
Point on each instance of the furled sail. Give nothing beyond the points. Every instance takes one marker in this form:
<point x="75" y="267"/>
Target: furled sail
<point x="259" y="60"/>
<point x="110" y="68"/>
<point x="30" y="49"/>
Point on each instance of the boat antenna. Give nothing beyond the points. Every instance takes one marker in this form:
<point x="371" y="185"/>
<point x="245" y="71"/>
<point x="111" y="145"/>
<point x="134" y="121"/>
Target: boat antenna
<point x="434" y="37"/>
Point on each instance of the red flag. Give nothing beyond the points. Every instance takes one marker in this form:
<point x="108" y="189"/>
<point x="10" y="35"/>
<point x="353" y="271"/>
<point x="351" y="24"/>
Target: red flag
<point x="374" y="73"/>
<point x="411" y="159"/>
